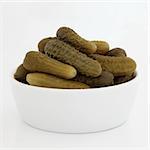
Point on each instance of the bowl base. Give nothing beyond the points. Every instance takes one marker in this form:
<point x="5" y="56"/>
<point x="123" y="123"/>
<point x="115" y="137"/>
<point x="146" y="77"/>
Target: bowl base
<point x="79" y="132"/>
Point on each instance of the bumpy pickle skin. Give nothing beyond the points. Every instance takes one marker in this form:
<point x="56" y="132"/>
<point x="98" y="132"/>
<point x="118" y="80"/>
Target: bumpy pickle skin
<point x="50" y="81"/>
<point x="43" y="42"/>
<point x="71" y="37"/>
<point x="105" y="79"/>
<point x="117" y="52"/>
<point x="21" y="73"/>
<point x="64" y="52"/>
<point x="38" y="62"/>
<point x="102" y="47"/>
<point x="119" y="66"/>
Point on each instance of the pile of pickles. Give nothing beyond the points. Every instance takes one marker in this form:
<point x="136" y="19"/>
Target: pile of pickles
<point x="69" y="61"/>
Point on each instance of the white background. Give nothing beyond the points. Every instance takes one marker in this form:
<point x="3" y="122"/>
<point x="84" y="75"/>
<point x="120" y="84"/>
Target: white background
<point x="121" y="24"/>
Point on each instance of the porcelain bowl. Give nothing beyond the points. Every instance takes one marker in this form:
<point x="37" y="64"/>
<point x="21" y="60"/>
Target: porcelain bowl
<point x="75" y="110"/>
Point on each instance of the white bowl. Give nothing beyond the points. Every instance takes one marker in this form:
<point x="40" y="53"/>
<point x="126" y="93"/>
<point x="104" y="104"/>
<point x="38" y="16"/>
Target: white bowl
<point x="75" y="110"/>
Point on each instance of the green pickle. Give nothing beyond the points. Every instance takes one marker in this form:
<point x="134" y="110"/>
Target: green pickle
<point x="21" y="73"/>
<point x="64" y="52"/>
<point x="119" y="66"/>
<point x="105" y="79"/>
<point x="38" y="62"/>
<point x="50" y="81"/>
<point x="71" y="37"/>
<point x="118" y="52"/>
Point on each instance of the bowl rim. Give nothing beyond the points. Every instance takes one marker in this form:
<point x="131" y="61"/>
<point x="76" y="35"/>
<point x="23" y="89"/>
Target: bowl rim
<point x="89" y="89"/>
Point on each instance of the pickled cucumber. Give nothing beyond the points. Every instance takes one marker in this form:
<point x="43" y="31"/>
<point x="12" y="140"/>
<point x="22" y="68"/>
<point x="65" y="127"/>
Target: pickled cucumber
<point x="46" y="80"/>
<point x="105" y="79"/>
<point x="119" y="66"/>
<point x="123" y="79"/>
<point x="118" y="52"/>
<point x="64" y="52"/>
<point x="71" y="37"/>
<point x="21" y="73"/>
<point x="43" y="42"/>
<point x="102" y="47"/>
<point x="38" y="62"/>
